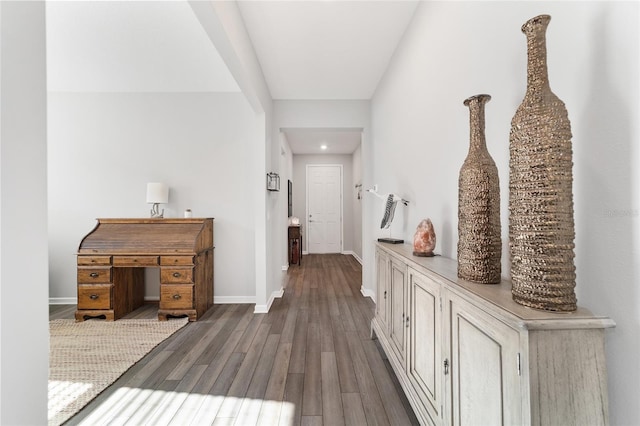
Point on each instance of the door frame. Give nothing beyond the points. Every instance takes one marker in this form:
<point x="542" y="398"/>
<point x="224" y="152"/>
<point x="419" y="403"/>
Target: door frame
<point x="307" y="166"/>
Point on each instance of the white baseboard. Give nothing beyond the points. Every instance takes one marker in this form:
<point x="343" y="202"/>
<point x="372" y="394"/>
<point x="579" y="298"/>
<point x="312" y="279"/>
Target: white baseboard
<point x="263" y="309"/>
<point x="345" y="252"/>
<point x="304" y="252"/>
<point x="285" y="267"/>
<point x="226" y="300"/>
<point x="218" y="300"/>
<point x="63" y="300"/>
<point x="355" y="256"/>
<point x="367" y="292"/>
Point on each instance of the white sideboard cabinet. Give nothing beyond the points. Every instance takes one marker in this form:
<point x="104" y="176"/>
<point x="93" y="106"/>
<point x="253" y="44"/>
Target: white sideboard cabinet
<point x="466" y="354"/>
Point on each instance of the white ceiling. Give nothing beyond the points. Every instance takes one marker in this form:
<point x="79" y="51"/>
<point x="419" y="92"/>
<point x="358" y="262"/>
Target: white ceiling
<point x="131" y="46"/>
<point x="325" y="49"/>
<point x="307" y="50"/>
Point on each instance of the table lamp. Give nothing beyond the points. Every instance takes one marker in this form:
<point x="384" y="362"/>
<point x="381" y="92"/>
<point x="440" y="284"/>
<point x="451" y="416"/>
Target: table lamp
<point x="157" y="193"/>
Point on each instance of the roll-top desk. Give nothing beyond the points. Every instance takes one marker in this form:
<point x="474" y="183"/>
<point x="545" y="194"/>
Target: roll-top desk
<point x="112" y="258"/>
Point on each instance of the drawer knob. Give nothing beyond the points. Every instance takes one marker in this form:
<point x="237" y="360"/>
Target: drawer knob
<point x="177" y="296"/>
<point x="176" y="274"/>
<point x="93" y="297"/>
<point x="94" y="275"/>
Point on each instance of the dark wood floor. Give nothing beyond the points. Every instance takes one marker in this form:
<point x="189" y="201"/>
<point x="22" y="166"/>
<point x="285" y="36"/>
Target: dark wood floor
<point x="309" y="361"/>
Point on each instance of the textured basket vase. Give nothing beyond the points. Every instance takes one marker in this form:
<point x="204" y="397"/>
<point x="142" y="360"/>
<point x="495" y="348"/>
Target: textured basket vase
<point x="541" y="226"/>
<point x="479" y="241"/>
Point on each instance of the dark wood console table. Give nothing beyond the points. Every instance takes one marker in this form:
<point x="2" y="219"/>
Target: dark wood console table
<point x="295" y="244"/>
<point x="112" y="258"/>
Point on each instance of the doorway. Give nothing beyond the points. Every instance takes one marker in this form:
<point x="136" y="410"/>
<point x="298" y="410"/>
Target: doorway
<point x="324" y="208"/>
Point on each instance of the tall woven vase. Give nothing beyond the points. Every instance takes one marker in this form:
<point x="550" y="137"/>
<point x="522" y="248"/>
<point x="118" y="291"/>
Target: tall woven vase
<point x="541" y="226"/>
<point x="479" y="241"/>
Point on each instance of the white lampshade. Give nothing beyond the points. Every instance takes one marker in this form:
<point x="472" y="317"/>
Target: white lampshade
<point x="157" y="193"/>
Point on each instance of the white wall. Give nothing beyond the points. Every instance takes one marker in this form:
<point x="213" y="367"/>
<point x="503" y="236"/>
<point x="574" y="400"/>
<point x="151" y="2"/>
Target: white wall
<point x="223" y="23"/>
<point x="321" y="114"/>
<point x="24" y="331"/>
<point x="453" y="50"/>
<point x="105" y="147"/>
<point x="300" y="163"/>
<point x="356" y="164"/>
<point x="286" y="174"/>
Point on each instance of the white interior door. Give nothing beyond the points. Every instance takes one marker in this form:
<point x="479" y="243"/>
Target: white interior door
<point x="324" y="208"/>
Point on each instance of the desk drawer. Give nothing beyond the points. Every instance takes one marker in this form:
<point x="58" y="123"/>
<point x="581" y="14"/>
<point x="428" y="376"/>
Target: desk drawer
<point x="176" y="296"/>
<point x="178" y="275"/>
<point x="89" y="275"/>
<point x="135" y="261"/>
<point x="94" y="260"/>
<point x="176" y="260"/>
<point x="94" y="296"/>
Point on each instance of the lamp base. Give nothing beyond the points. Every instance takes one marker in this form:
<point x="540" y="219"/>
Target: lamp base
<point x="155" y="211"/>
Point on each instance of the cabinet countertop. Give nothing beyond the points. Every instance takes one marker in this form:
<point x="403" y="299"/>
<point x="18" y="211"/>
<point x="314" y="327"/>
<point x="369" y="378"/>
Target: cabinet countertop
<point x="497" y="294"/>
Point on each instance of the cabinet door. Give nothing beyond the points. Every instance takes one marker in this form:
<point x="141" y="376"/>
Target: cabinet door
<point x="382" y="283"/>
<point x="483" y="372"/>
<point x="399" y="298"/>
<point x="425" y="347"/>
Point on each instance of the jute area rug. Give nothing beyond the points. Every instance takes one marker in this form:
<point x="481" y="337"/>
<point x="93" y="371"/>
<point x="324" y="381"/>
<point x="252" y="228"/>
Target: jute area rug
<point x="86" y="357"/>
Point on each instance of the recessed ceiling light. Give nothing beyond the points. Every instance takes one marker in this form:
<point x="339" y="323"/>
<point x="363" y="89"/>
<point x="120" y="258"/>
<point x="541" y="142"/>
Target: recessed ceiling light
<point x="323" y="147"/>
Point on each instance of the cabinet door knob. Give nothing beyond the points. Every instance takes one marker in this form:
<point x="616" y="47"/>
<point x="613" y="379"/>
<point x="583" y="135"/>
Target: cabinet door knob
<point x="177" y="296"/>
<point x="94" y="275"/>
<point x="176" y="274"/>
<point x="93" y="297"/>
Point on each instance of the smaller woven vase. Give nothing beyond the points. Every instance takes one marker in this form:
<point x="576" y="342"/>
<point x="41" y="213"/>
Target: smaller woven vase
<point x="479" y="240"/>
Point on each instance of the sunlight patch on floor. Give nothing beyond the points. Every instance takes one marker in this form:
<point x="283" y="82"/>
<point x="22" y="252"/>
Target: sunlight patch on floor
<point x="140" y="406"/>
<point x="62" y="393"/>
